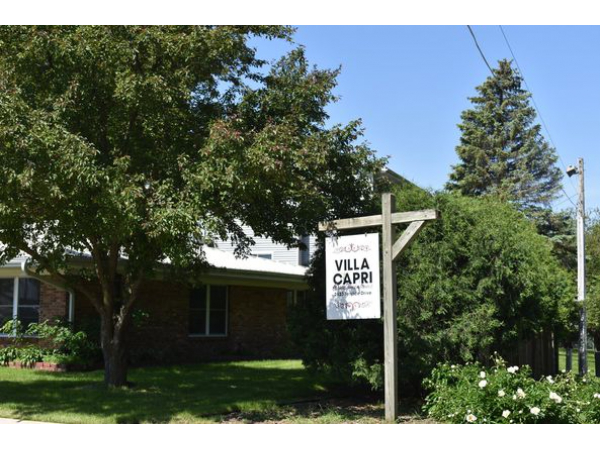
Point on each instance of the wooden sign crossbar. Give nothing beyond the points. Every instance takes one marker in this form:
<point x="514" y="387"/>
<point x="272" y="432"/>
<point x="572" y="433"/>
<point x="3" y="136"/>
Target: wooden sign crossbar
<point x="391" y="251"/>
<point x="372" y="221"/>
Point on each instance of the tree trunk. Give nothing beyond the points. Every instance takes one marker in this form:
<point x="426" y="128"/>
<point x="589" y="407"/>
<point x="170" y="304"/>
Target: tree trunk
<point x="114" y="351"/>
<point x="115" y="365"/>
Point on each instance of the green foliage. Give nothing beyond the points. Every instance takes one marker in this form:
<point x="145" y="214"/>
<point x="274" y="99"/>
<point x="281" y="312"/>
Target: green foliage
<point x="14" y="329"/>
<point x="66" y="344"/>
<point x="53" y="343"/>
<point x="472" y="393"/>
<point x="30" y="354"/>
<point x="476" y="281"/>
<point x="592" y="246"/>
<point x="501" y="150"/>
<point x="8" y="354"/>
<point x="560" y="229"/>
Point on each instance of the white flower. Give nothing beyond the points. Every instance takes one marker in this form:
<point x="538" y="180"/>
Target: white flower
<point x="501" y="393"/>
<point x="471" y="418"/>
<point x="520" y="393"/>
<point x="482" y="384"/>
<point x="535" y="410"/>
<point x="554" y="396"/>
<point x="514" y="397"/>
<point x="453" y="366"/>
<point x="482" y="374"/>
<point x="578" y="410"/>
<point x="512" y="369"/>
<point x="596" y="395"/>
<point x="505" y="413"/>
<point x="550" y="380"/>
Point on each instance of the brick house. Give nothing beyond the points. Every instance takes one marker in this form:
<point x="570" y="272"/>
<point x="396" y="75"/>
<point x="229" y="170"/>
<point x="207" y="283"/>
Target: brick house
<point x="239" y="310"/>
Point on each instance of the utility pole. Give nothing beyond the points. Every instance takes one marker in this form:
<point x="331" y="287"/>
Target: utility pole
<point x="582" y="354"/>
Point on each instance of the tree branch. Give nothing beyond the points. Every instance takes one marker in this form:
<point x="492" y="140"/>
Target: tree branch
<point x="66" y="280"/>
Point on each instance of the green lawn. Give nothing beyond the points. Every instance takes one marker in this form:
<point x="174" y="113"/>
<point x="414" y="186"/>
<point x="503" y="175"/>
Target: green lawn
<point x="180" y="394"/>
<point x="562" y="361"/>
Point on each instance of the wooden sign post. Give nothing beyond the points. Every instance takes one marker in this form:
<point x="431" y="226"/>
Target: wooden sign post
<point x="392" y="249"/>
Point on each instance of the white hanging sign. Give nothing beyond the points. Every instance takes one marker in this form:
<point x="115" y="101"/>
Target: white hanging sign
<point x="352" y="271"/>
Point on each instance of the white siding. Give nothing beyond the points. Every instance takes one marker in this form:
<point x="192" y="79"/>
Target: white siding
<point x="278" y="252"/>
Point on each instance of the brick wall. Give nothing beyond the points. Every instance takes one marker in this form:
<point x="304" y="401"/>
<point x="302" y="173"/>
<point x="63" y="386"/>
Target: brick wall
<point x="54" y="303"/>
<point x="256" y="325"/>
<point x="257" y="318"/>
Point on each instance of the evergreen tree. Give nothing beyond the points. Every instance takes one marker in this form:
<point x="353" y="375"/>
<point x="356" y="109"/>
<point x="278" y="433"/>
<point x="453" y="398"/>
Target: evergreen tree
<point x="502" y="151"/>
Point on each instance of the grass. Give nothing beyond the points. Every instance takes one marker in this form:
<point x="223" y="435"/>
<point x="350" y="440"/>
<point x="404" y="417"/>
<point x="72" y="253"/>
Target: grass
<point x="562" y="361"/>
<point x="201" y="393"/>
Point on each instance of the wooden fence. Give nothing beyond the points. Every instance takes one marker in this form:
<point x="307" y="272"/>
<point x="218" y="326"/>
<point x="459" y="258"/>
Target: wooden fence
<point x="540" y="353"/>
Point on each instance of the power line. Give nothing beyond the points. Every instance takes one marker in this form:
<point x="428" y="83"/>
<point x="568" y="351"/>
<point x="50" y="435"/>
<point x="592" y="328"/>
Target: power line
<point x="536" y="107"/>
<point x="532" y="99"/>
<point x="479" y="48"/>
<point x="570" y="199"/>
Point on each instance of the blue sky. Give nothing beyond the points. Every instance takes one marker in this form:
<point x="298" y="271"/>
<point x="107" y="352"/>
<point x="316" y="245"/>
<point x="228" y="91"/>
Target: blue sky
<point x="409" y="85"/>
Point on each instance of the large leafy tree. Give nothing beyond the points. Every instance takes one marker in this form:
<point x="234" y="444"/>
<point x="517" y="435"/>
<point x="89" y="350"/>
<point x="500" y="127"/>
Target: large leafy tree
<point x="501" y="150"/>
<point x="130" y="147"/>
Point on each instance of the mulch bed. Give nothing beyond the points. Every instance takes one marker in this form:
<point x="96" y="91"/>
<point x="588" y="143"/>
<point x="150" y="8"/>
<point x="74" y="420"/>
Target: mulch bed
<point x="367" y="410"/>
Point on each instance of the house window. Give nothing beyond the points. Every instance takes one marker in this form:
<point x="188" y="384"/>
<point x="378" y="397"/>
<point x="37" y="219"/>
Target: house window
<point x="263" y="255"/>
<point x="208" y="311"/>
<point x="19" y="299"/>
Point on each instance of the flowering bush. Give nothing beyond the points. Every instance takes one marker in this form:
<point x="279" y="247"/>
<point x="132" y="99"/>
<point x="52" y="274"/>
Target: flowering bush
<point x="473" y="394"/>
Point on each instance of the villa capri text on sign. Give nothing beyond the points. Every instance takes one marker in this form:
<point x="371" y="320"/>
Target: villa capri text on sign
<point x="352" y="270"/>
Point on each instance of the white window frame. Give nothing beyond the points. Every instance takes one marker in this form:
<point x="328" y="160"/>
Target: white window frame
<point x="15" y="313"/>
<point x="207" y="316"/>
<point x="261" y="255"/>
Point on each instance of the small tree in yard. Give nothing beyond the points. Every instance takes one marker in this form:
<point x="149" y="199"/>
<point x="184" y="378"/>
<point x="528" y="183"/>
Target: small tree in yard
<point x="136" y="145"/>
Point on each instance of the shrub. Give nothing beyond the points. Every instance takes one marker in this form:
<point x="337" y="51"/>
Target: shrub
<point x="8" y="354"/>
<point x="67" y="345"/>
<point x="477" y="281"/>
<point x="57" y="343"/>
<point x="471" y="393"/>
<point x="30" y="355"/>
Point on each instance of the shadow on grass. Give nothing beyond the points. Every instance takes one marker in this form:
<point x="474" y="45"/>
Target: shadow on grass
<point x="178" y="394"/>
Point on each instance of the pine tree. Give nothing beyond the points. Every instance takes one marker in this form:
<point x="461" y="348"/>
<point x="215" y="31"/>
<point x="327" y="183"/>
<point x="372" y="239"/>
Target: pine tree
<point x="502" y="151"/>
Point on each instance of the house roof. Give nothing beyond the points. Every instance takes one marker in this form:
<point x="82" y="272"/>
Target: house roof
<point x="225" y="266"/>
<point x="15" y="262"/>
<point x="227" y="260"/>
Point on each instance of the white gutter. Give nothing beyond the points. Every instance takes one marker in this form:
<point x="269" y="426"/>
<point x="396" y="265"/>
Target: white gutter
<point x="25" y="268"/>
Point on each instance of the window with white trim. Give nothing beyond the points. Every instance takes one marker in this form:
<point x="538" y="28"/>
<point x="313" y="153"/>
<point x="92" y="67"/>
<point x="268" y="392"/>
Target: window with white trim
<point x="208" y="311"/>
<point x="19" y="299"/>
<point x="263" y="255"/>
